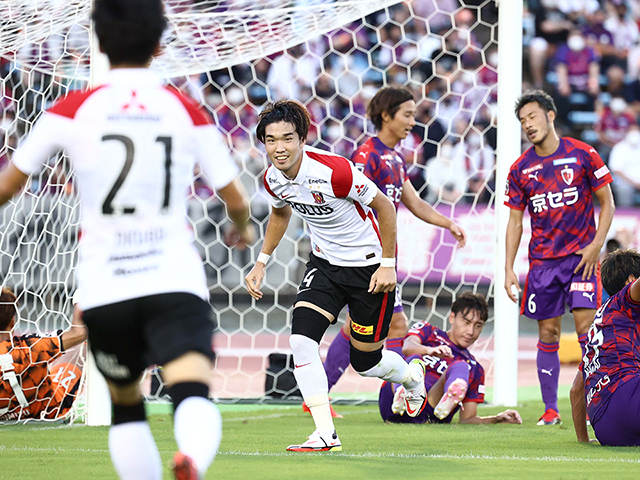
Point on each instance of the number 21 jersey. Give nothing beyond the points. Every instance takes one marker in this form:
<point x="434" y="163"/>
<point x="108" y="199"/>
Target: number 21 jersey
<point x="133" y="145"/>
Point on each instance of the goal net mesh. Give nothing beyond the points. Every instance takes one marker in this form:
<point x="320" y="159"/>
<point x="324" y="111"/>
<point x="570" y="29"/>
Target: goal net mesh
<point x="232" y="57"/>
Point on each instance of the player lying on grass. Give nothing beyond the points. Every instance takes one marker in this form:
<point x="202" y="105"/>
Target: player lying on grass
<point x="28" y="387"/>
<point x="607" y="384"/>
<point x="352" y="262"/>
<point x="454" y="379"/>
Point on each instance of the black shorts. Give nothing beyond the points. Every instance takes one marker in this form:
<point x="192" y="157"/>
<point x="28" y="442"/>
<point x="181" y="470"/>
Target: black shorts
<point x="332" y="287"/>
<point x="126" y="337"/>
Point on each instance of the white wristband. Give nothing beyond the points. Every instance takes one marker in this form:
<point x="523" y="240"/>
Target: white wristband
<point x="263" y="258"/>
<point x="388" y="262"/>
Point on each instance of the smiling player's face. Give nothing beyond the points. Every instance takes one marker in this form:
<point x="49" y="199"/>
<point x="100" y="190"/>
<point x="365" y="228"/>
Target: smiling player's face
<point x="284" y="147"/>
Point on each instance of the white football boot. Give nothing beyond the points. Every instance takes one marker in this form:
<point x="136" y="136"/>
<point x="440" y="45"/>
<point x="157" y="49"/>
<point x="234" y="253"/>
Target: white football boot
<point x="317" y="442"/>
<point x="416" y="398"/>
<point x="451" y="398"/>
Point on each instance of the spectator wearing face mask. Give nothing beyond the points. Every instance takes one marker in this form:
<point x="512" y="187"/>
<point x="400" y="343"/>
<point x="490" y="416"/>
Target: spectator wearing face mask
<point x="578" y="71"/>
<point x="446" y="184"/>
<point x="626" y="34"/>
<point x="613" y="124"/>
<point x="623" y="163"/>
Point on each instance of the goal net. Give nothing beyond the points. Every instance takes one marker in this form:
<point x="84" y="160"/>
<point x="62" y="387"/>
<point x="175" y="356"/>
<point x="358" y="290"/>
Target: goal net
<point x="232" y="57"/>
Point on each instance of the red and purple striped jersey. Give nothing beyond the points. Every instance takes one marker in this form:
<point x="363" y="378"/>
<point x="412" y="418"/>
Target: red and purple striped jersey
<point x="383" y="165"/>
<point x="431" y="336"/>
<point x="558" y="192"/>
<point x="612" y="353"/>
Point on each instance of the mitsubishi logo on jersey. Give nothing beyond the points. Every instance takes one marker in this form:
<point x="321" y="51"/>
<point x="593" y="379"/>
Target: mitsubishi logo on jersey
<point x="567" y="175"/>
<point x="361" y="189"/>
<point x="134" y="103"/>
<point x="318" y="197"/>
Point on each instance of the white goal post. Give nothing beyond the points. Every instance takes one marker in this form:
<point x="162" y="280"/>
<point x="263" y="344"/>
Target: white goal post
<point x="228" y="55"/>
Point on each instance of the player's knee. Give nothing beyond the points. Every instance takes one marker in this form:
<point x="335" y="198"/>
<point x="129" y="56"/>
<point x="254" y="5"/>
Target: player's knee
<point x="181" y="391"/>
<point x="309" y="323"/>
<point x="362" y="362"/>
<point x="128" y="413"/>
<point x="304" y="349"/>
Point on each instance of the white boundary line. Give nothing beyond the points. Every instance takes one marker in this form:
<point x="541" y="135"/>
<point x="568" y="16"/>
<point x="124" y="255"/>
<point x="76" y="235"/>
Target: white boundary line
<point x="425" y="456"/>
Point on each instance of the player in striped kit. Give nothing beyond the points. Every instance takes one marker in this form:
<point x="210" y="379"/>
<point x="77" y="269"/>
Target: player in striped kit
<point x="392" y="111"/>
<point x="556" y="180"/>
<point x="607" y="385"/>
<point x="134" y="144"/>
<point x="352" y="262"/>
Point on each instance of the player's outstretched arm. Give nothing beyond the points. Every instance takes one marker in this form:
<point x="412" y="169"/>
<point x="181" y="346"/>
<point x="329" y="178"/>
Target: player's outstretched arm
<point x="276" y="228"/>
<point x="77" y="333"/>
<point x="11" y="181"/>
<point x="514" y="234"/>
<point x="591" y="253"/>
<point x="235" y="198"/>
<point x="384" y="278"/>
<point x="579" y="408"/>
<point x="469" y="415"/>
<point x="427" y="213"/>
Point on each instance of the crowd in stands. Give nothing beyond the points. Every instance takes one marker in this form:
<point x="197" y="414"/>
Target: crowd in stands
<point x="585" y="52"/>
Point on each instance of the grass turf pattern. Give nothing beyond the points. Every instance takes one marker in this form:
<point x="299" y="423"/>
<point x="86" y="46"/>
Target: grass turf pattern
<point x="255" y="439"/>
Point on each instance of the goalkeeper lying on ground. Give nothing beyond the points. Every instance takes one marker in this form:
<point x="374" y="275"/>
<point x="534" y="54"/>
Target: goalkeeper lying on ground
<point x="29" y="388"/>
<point x="453" y="376"/>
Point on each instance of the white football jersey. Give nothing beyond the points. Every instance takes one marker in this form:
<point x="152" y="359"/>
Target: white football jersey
<point x="133" y="144"/>
<point x="332" y="196"/>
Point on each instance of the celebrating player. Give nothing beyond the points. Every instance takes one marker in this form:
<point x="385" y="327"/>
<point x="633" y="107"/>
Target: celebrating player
<point x="28" y="387"/>
<point x="556" y="180"/>
<point x="352" y="262"/>
<point x="392" y="111"/>
<point x="454" y="378"/>
<point x="133" y="144"/>
<point x="608" y="381"/>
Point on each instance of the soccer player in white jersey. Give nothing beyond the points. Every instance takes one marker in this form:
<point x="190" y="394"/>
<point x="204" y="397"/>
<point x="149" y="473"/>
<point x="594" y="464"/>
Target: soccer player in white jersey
<point x="133" y="144"/>
<point x="352" y="262"/>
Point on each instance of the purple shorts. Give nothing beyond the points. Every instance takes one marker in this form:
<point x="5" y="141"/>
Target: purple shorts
<point x="397" y="303"/>
<point x="619" y="423"/>
<point x="552" y="286"/>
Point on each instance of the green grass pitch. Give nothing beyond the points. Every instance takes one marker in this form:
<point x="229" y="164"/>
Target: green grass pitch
<point x="255" y="438"/>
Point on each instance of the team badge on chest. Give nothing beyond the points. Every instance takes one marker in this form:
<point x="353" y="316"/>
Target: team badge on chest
<point x="567" y="175"/>
<point x="318" y="197"/>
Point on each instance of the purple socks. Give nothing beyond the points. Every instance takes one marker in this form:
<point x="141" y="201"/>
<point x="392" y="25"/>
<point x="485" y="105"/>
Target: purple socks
<point x="548" y="363"/>
<point x="456" y="370"/>
<point x="394" y="344"/>
<point x="337" y="360"/>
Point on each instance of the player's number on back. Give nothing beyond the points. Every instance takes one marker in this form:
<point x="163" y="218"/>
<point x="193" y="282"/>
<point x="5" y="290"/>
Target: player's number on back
<point x="531" y="304"/>
<point x="107" y="205"/>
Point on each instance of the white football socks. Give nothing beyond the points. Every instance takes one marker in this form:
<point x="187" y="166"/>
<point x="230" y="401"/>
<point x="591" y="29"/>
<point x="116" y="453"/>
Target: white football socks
<point x="312" y="381"/>
<point x="393" y="368"/>
<point x="133" y="451"/>
<point x="197" y="427"/>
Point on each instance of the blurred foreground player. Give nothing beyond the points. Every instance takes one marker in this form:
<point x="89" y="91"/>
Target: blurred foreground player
<point x="133" y="144"/>
<point x="607" y="385"/>
<point x="556" y="180"/>
<point x="392" y="111"/>
<point x="454" y="379"/>
<point x="352" y="263"/>
<point x="29" y="386"/>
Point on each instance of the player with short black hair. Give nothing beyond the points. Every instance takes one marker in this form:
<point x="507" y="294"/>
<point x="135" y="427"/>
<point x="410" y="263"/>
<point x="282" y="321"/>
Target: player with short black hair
<point x="134" y="144"/>
<point x="607" y="383"/>
<point x="30" y="387"/>
<point x="352" y="262"/>
<point x="454" y="379"/>
<point x="556" y="180"/>
<point x="392" y="111"/>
